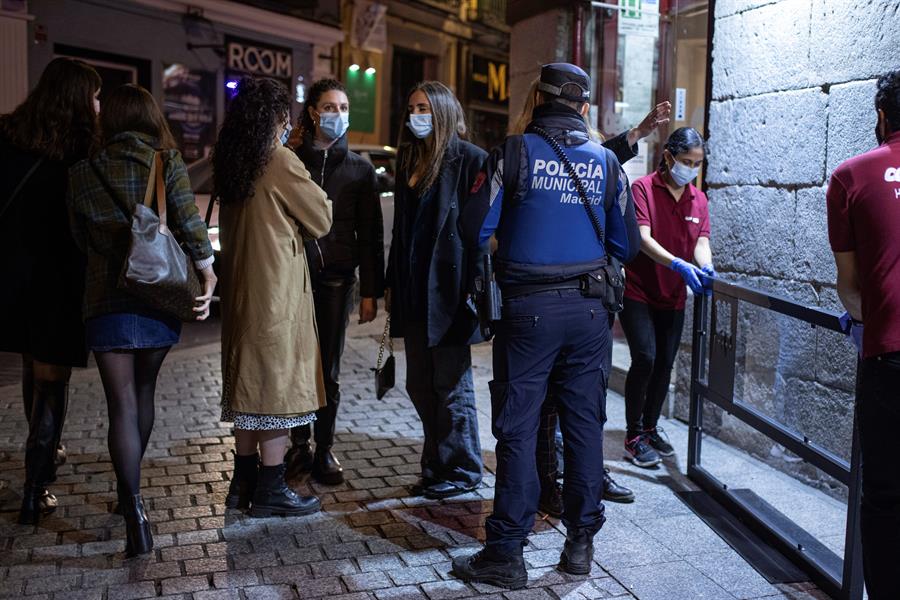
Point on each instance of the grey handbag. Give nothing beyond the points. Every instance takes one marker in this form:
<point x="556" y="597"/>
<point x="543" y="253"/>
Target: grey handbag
<point x="157" y="269"/>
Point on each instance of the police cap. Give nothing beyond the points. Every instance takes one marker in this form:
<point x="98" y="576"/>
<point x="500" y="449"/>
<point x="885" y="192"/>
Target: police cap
<point x="556" y="76"/>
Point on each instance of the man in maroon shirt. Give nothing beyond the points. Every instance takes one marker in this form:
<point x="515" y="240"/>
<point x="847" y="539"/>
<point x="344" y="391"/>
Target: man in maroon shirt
<point x="864" y="230"/>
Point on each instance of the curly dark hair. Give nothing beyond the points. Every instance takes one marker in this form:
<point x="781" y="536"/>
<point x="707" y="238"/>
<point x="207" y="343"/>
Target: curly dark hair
<point x="312" y="99"/>
<point x="57" y="119"/>
<point x="245" y="144"/>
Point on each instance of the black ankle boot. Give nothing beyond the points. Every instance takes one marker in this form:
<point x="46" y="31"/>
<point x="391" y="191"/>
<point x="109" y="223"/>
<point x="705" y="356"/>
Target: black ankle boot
<point x="243" y="481"/>
<point x="274" y="497"/>
<point x="138" y="538"/>
<point x="577" y="553"/>
<point x="487" y="566"/>
<point x="299" y="457"/>
<point x="37" y="502"/>
<point x="551" y="499"/>
<point x="48" y="411"/>
<point x="326" y="468"/>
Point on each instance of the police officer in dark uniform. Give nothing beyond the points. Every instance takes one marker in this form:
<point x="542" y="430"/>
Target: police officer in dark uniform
<point x="560" y="207"/>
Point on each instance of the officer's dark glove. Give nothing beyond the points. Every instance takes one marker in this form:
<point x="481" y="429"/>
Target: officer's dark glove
<point x="690" y="273"/>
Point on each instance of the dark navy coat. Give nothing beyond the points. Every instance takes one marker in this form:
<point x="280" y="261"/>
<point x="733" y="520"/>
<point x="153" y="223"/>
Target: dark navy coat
<point x="448" y="320"/>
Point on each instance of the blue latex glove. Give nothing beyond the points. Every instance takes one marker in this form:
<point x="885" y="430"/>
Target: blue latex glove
<point x="854" y="330"/>
<point x="689" y="273"/>
<point x="710" y="273"/>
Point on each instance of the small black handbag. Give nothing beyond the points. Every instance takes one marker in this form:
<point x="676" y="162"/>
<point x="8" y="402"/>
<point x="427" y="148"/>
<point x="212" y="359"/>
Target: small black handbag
<point x="384" y="371"/>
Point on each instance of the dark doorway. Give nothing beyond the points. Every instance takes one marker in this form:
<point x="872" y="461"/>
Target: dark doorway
<point x="407" y="69"/>
<point x="114" y="69"/>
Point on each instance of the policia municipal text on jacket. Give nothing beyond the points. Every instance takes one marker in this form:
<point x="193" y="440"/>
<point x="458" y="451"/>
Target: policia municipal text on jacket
<point x="553" y="233"/>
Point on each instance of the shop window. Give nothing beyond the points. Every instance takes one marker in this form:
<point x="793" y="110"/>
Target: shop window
<point x="647" y="51"/>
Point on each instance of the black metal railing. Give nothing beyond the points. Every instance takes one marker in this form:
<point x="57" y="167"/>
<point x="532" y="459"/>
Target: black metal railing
<point x="715" y="338"/>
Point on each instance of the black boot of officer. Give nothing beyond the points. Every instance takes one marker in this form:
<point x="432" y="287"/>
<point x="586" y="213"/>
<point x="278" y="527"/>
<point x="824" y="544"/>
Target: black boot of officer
<point x="506" y="570"/>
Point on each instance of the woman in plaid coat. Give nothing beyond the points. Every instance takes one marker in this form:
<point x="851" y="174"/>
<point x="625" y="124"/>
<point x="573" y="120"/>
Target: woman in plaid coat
<point x="129" y="338"/>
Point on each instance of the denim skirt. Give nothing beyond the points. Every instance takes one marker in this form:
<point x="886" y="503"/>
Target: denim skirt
<point x="131" y="331"/>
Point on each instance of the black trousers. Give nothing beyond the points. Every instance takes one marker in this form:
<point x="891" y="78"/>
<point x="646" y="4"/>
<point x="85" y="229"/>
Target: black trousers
<point x="553" y="342"/>
<point x="878" y="412"/>
<point x="549" y="441"/>
<point x="334" y="301"/>
<point x="653" y="336"/>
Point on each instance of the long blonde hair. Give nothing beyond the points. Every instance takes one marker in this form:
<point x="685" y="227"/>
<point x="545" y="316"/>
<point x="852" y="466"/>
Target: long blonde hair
<point x="534" y="98"/>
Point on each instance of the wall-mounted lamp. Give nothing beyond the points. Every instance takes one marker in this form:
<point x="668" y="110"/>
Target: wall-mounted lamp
<point x="354" y="67"/>
<point x="370" y="71"/>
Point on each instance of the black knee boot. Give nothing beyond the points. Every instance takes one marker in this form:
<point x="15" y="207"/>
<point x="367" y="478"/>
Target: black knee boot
<point x="48" y="413"/>
<point x="274" y="497"/>
<point x="138" y="538"/>
<point x="243" y="481"/>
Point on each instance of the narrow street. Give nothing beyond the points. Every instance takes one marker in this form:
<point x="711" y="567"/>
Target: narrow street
<point x="371" y="541"/>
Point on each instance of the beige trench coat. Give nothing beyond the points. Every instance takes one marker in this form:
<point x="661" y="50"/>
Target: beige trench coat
<point x="270" y="349"/>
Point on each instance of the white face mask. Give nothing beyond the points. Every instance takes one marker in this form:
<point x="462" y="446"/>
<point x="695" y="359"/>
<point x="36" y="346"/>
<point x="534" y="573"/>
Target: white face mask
<point x="683" y="174"/>
<point x="420" y="125"/>
<point x="334" y="125"/>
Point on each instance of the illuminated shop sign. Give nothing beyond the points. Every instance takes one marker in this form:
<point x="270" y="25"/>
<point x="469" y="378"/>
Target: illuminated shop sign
<point x="253" y="58"/>
<point x="489" y="81"/>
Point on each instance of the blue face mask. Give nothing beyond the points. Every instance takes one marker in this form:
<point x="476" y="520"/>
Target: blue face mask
<point x="683" y="174"/>
<point x="420" y="125"/>
<point x="334" y="125"/>
<point x="286" y="134"/>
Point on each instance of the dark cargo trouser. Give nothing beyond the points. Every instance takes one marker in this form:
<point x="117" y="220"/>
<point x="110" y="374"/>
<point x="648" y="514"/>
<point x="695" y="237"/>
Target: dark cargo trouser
<point x="555" y="340"/>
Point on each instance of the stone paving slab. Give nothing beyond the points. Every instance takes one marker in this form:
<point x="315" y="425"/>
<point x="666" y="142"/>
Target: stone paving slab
<point x="371" y="541"/>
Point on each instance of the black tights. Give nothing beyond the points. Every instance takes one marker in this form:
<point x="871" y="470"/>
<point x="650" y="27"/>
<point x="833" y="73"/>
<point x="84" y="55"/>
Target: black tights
<point x="129" y="380"/>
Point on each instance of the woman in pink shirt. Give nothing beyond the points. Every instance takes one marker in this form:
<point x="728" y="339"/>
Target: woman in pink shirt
<point x="674" y="222"/>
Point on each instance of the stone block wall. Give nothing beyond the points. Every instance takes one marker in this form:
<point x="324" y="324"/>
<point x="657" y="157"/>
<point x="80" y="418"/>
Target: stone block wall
<point x="793" y="88"/>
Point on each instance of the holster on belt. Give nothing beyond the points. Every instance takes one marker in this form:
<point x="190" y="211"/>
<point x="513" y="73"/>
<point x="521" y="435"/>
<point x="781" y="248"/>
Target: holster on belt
<point x="489" y="301"/>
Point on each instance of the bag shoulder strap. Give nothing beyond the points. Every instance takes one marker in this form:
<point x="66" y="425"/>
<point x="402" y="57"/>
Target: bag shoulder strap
<point x="158" y="173"/>
<point x="385" y="339"/>
<point x="579" y="185"/>
<point x="21" y="185"/>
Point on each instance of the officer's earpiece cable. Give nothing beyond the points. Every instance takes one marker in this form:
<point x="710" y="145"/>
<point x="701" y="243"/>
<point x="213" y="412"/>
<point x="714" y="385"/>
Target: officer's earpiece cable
<point x="582" y="192"/>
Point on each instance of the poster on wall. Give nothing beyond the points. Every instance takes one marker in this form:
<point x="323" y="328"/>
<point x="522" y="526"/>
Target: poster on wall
<point x="189" y="104"/>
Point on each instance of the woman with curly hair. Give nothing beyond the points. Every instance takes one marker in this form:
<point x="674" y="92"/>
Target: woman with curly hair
<point x="41" y="268"/>
<point x="271" y="370"/>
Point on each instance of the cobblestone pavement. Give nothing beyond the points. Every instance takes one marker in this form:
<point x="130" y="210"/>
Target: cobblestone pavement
<point x="371" y="541"/>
